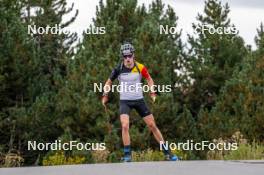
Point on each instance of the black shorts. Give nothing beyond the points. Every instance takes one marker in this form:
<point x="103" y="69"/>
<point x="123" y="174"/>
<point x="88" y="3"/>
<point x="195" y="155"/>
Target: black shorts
<point x="140" y="106"/>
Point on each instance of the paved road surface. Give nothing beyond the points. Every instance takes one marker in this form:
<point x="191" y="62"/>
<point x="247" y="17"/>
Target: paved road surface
<point x="147" y="168"/>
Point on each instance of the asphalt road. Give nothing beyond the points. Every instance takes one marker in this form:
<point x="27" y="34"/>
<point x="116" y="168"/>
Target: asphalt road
<point x="147" y="168"/>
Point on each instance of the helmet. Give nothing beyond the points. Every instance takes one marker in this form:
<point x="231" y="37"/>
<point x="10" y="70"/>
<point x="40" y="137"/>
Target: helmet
<point x="126" y="49"/>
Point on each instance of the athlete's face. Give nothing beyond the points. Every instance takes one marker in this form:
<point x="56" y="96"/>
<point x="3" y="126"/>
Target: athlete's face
<point x="129" y="60"/>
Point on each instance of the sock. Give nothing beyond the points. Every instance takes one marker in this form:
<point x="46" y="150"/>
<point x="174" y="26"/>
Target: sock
<point x="165" y="150"/>
<point x="127" y="150"/>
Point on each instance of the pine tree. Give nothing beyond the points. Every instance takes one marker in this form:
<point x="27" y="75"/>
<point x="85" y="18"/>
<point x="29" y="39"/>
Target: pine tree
<point x="32" y="70"/>
<point x="213" y="56"/>
<point x="240" y="105"/>
<point x="55" y="48"/>
<point x="55" y="53"/>
<point x="259" y="39"/>
<point x="17" y="57"/>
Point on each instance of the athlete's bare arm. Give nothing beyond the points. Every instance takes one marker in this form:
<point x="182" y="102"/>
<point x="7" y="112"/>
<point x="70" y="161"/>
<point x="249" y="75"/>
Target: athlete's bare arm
<point x="107" y="86"/>
<point x="151" y="84"/>
<point x="152" y="89"/>
<point x="107" y="89"/>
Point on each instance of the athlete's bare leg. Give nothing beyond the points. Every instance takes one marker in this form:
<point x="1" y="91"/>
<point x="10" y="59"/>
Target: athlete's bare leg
<point x="124" y="118"/>
<point x="149" y="120"/>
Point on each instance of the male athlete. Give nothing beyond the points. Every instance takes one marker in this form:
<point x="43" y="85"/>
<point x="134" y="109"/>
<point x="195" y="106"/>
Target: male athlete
<point x="129" y="74"/>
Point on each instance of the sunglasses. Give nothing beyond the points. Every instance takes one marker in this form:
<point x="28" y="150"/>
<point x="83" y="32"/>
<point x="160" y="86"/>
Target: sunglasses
<point x="127" y="56"/>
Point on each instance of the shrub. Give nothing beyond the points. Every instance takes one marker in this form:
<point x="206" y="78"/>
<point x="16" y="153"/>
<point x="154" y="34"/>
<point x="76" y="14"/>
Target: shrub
<point x="115" y="156"/>
<point x="154" y="155"/>
<point x="246" y="152"/>
<point x="13" y="160"/>
<point x="59" y="158"/>
<point x="100" y="156"/>
<point x="147" y="155"/>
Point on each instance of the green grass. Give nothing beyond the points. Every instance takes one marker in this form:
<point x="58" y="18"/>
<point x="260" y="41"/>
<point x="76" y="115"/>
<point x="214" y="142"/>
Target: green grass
<point x="246" y="152"/>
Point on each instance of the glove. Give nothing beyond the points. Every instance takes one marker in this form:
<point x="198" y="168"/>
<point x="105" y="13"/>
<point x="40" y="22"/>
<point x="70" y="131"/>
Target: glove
<point x="153" y="96"/>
